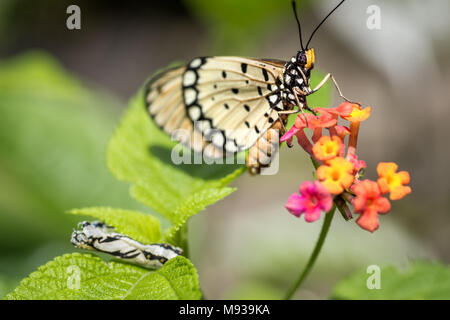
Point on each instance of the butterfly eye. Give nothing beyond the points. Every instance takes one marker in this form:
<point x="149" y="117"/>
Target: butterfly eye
<point x="301" y="58"/>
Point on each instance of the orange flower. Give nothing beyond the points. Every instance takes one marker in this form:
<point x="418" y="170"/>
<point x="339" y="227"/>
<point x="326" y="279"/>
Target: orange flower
<point x="336" y="175"/>
<point x="357" y="164"/>
<point x="344" y="109"/>
<point x="356" y="117"/>
<point x="342" y="131"/>
<point x="392" y="181"/>
<point x="327" y="148"/>
<point x="369" y="203"/>
<point x="358" y="114"/>
<point x="308" y="120"/>
<point x="324" y="120"/>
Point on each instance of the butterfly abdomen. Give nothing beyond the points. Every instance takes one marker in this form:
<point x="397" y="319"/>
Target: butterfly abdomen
<point x="261" y="154"/>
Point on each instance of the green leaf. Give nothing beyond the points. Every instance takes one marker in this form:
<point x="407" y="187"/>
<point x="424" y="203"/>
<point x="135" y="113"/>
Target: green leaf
<point x="422" y="280"/>
<point x="137" y="225"/>
<point x="191" y="206"/>
<point x="139" y="152"/>
<point x="58" y="279"/>
<point x="53" y="132"/>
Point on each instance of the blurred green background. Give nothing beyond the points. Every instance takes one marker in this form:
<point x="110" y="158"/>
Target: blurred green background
<point x="63" y="91"/>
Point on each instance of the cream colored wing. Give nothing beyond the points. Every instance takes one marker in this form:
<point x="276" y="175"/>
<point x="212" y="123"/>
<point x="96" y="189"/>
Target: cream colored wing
<point x="225" y="103"/>
<point x="164" y="102"/>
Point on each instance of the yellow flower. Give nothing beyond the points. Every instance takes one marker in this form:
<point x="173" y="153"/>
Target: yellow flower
<point x="358" y="114"/>
<point x="392" y="181"/>
<point x="327" y="148"/>
<point x="336" y="175"/>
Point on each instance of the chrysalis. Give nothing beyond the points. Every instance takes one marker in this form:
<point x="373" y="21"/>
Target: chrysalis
<point x="98" y="236"/>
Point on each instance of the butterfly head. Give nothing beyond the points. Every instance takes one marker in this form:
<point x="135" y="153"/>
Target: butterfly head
<point x="306" y="58"/>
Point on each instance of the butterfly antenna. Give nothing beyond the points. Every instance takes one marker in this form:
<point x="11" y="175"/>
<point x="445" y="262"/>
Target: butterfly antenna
<point x="317" y="28"/>
<point x="294" y="7"/>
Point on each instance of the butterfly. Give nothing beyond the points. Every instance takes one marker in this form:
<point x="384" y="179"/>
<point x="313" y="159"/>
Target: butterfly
<point x="223" y="105"/>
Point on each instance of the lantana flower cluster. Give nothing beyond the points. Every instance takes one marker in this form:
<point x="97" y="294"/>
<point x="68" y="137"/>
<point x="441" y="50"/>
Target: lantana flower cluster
<point x="339" y="171"/>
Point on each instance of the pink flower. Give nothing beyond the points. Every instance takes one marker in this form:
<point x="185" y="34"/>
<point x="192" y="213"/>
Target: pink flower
<point x="342" y="131"/>
<point x="313" y="199"/>
<point x="369" y="203"/>
<point x="308" y="120"/>
<point x="357" y="164"/>
<point x="290" y="134"/>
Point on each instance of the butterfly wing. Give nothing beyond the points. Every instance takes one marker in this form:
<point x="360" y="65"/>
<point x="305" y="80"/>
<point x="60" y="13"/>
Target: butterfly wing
<point x="224" y="103"/>
<point x="164" y="102"/>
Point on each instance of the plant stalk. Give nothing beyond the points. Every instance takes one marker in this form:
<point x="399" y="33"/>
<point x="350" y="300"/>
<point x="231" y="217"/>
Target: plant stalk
<point x="312" y="259"/>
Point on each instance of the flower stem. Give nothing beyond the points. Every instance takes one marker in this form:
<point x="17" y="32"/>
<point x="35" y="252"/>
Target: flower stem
<point x="315" y="253"/>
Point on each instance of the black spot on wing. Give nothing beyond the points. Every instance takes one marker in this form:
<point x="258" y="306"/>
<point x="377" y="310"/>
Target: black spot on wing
<point x="259" y="91"/>
<point x="246" y="107"/>
<point x="247" y="124"/>
<point x="266" y="76"/>
<point x="224" y="74"/>
<point x="235" y="90"/>
<point x="244" y="67"/>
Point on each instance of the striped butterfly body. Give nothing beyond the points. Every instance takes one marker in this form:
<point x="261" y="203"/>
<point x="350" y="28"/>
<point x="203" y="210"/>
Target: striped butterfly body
<point x="224" y="105"/>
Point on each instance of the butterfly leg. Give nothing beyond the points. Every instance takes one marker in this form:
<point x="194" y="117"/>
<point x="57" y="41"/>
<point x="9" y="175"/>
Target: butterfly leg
<point x="304" y="106"/>
<point x="324" y="80"/>
<point x="289" y="111"/>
